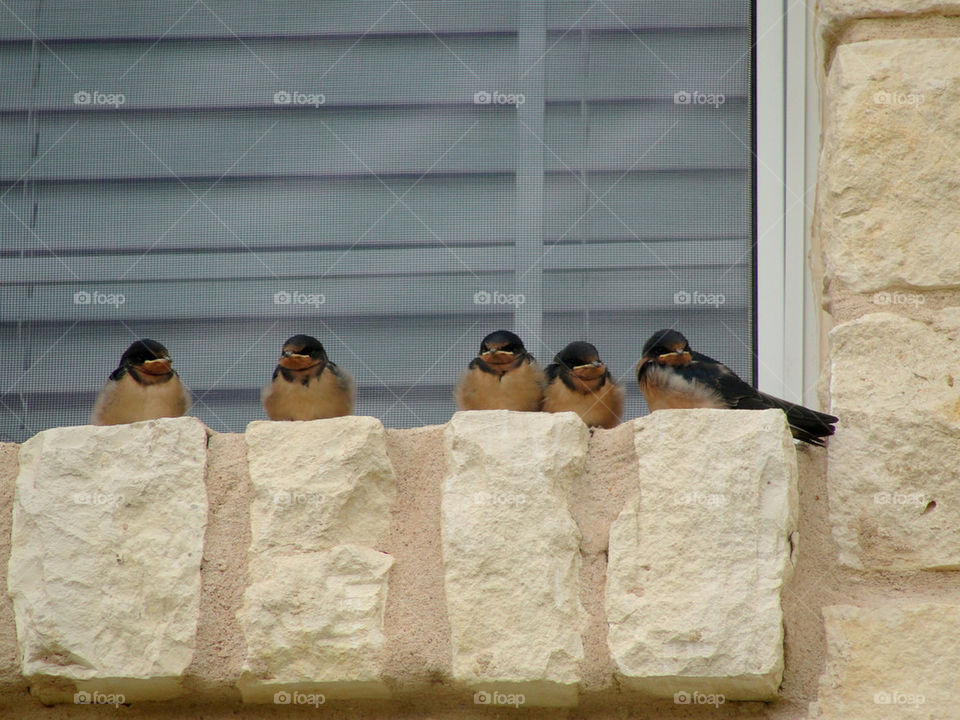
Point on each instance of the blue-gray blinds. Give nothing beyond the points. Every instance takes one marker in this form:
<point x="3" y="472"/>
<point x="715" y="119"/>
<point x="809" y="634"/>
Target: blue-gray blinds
<point x="395" y="178"/>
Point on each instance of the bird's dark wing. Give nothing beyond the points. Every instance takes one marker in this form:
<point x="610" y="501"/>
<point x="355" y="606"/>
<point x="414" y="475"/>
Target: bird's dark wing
<point x="805" y="424"/>
<point x="552" y="371"/>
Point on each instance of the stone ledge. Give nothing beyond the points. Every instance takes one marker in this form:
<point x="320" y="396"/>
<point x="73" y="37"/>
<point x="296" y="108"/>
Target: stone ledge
<point x="312" y="612"/>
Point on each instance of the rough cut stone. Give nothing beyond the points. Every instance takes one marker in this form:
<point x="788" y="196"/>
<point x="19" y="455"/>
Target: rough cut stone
<point x="314" y="625"/>
<point x="889" y="662"/>
<point x="108" y="529"/>
<point x="511" y="553"/>
<point x="833" y="11"/>
<point x="312" y="615"/>
<point x="892" y="475"/>
<point x="698" y="558"/>
<point x="888" y="186"/>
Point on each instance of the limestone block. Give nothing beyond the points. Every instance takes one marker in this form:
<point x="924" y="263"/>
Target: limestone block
<point x="312" y="616"/>
<point x="698" y="558"/>
<point x="892" y="474"/>
<point x="314" y="625"/>
<point x="108" y="529"/>
<point x="888" y="185"/>
<point x="889" y="662"/>
<point x="511" y="553"/>
<point x="835" y="11"/>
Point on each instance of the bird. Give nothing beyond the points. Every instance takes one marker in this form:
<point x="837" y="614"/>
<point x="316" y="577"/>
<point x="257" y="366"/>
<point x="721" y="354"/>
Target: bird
<point x="143" y="387"/>
<point x="306" y="384"/>
<point x="503" y="376"/>
<point x="578" y="382"/>
<point x="671" y="375"/>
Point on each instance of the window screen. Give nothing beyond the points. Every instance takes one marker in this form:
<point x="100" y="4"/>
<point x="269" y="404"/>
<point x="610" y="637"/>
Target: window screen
<point x="396" y="178"/>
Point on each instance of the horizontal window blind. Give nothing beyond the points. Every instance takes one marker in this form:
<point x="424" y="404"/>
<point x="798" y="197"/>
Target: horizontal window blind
<point x="222" y="175"/>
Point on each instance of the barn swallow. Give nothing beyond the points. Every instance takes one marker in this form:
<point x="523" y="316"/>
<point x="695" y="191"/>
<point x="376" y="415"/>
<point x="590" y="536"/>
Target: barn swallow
<point x="144" y="387"/>
<point x="580" y="383"/>
<point x="503" y="376"/>
<point x="306" y="385"/>
<point x="671" y="375"/>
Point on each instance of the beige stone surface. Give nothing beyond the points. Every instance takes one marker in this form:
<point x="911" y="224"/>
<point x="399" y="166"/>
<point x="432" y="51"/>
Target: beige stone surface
<point x="511" y="552"/>
<point x="888" y="184"/>
<point x="895" y="661"/>
<point x="107" y="540"/>
<point x="318" y="484"/>
<point x="892" y="474"/>
<point x="698" y="557"/>
<point x="313" y="613"/>
<point x="314" y="625"/>
<point x="837" y="10"/>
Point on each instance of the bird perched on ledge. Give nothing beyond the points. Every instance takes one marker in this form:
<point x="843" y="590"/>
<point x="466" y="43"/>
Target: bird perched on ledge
<point x="503" y="376"/>
<point x="306" y="384"/>
<point x="143" y="387"/>
<point x="671" y="375"/>
<point x="580" y="383"/>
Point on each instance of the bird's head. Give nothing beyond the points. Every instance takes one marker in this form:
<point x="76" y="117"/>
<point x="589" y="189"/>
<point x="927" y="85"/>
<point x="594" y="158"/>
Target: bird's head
<point x="501" y="347"/>
<point x="301" y="352"/>
<point x="581" y="359"/>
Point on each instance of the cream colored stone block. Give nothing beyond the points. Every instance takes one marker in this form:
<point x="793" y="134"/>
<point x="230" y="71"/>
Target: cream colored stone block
<point x="511" y="553"/>
<point x="698" y="558"/>
<point x="888" y="185"/>
<point x="892" y="473"/>
<point x="314" y="626"/>
<point x="107" y="536"/>
<point x="836" y="11"/>
<point x="890" y="662"/>
<point x="312" y="615"/>
<point x="318" y="484"/>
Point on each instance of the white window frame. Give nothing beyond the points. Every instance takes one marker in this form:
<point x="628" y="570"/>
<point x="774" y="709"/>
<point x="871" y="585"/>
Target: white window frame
<point x="786" y="314"/>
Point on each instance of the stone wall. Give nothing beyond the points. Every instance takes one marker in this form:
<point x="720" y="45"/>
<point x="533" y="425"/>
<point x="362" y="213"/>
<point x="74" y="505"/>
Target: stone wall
<point x="886" y="224"/>
<point x="505" y="558"/>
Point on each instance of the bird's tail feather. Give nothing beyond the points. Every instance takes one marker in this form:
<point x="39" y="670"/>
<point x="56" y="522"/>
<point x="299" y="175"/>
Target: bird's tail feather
<point x="807" y="425"/>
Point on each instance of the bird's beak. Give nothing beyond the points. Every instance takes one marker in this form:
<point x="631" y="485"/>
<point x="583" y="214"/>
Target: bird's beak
<point x="159" y="366"/>
<point x="677" y="357"/>
<point x="589" y="371"/>
<point x="498" y="357"/>
<point x="295" y="361"/>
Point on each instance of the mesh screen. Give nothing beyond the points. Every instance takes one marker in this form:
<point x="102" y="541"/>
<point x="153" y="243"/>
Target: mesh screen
<point x="396" y="179"/>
